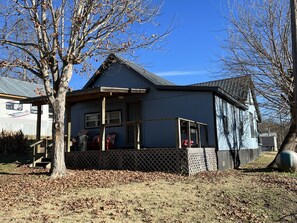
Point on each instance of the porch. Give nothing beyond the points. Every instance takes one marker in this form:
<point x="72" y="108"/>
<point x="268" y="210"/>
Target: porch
<point x="189" y="153"/>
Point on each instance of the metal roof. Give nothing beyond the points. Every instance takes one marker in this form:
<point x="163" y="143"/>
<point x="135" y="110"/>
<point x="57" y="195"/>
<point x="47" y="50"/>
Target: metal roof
<point x="15" y="87"/>
<point x="237" y="87"/>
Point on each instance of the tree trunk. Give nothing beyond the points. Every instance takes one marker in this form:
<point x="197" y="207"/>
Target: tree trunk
<point x="289" y="143"/>
<point x="58" y="168"/>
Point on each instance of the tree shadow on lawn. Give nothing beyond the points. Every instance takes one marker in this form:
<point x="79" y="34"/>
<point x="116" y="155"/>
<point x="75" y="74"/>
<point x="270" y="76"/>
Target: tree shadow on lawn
<point x="259" y="170"/>
<point x="31" y="174"/>
<point x="20" y="159"/>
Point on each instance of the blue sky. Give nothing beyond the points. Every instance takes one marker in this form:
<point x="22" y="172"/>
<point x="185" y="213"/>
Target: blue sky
<point x="191" y="52"/>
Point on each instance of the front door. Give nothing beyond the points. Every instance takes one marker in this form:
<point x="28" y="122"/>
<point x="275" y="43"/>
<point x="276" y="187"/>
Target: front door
<point x="134" y="113"/>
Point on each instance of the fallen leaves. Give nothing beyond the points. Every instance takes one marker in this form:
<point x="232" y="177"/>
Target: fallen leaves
<point x="29" y="195"/>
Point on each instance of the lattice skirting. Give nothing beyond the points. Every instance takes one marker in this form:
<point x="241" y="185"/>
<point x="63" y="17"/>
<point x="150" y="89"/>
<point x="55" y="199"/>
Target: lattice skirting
<point x="183" y="161"/>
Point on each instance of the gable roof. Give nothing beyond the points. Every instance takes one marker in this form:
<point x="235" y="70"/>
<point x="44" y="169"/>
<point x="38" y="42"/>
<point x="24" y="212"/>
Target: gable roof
<point x="237" y="87"/>
<point x="15" y="87"/>
<point x="148" y="76"/>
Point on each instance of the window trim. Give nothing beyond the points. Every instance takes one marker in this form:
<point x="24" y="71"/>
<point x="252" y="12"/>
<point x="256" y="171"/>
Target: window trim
<point x="252" y="125"/>
<point x="107" y="119"/>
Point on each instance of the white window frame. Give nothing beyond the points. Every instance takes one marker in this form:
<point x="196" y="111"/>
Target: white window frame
<point x="92" y="117"/>
<point x="108" y="119"/>
<point x="252" y="125"/>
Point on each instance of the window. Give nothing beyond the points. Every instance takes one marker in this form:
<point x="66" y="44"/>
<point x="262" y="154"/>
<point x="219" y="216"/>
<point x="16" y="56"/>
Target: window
<point x="14" y="106"/>
<point x="113" y="118"/>
<point x="252" y="125"/>
<point x="34" y="109"/>
<point x="92" y="120"/>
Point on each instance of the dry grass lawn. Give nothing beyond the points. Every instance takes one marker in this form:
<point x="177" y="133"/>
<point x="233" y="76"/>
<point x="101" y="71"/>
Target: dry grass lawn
<point x="251" y="194"/>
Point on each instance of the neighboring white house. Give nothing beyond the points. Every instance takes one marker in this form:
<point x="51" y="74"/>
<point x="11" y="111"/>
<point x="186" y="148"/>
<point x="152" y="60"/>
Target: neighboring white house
<point x="15" y="116"/>
<point x="268" y="141"/>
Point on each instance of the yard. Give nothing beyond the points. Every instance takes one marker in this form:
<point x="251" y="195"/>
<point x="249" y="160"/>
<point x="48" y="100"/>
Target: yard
<point x="251" y="194"/>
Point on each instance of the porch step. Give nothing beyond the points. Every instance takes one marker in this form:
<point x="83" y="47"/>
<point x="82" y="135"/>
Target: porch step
<point x="46" y="159"/>
<point x="44" y="163"/>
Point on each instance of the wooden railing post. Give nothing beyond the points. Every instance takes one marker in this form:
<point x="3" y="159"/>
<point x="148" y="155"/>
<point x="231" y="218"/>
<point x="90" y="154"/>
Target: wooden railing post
<point x="198" y="135"/>
<point x="189" y="133"/>
<point x="136" y="135"/>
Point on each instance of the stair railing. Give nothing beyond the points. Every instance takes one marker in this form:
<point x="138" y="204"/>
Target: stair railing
<point x="35" y="147"/>
<point x="47" y="145"/>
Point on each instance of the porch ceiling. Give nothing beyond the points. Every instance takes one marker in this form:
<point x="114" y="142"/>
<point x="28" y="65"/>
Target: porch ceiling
<point x="89" y="94"/>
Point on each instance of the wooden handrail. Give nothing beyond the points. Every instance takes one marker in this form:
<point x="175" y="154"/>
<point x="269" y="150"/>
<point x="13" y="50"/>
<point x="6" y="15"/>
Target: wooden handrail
<point x="36" y="143"/>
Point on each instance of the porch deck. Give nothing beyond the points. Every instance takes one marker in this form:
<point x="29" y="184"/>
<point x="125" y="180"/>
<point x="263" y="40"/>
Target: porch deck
<point x="186" y="161"/>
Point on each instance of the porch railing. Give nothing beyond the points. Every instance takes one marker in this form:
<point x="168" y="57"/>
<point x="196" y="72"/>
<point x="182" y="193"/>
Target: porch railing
<point x="190" y="127"/>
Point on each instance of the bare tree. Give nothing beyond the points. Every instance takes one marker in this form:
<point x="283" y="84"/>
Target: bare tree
<point x="57" y="35"/>
<point x="259" y="44"/>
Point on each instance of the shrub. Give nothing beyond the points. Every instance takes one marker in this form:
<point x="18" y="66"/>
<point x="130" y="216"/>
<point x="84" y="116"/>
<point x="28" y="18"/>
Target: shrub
<point x="13" y="142"/>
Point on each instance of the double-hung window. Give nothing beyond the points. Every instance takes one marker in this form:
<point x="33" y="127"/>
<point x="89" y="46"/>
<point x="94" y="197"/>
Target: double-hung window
<point x="112" y="118"/>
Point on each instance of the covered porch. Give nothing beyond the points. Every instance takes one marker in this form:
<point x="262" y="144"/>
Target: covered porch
<point x="189" y="154"/>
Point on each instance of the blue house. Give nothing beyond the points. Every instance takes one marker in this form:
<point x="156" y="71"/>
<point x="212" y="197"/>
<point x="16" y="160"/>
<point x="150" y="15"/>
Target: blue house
<point x="149" y="123"/>
<point x="220" y="114"/>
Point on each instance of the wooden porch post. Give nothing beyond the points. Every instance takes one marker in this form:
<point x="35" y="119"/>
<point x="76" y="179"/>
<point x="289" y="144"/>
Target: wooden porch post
<point x="137" y="135"/>
<point x="38" y="124"/>
<point x="178" y="133"/>
<point x="102" y="123"/>
<point x="68" y="118"/>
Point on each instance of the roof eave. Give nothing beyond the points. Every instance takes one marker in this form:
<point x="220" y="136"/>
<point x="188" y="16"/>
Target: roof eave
<point x="10" y="96"/>
<point x="89" y="94"/>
